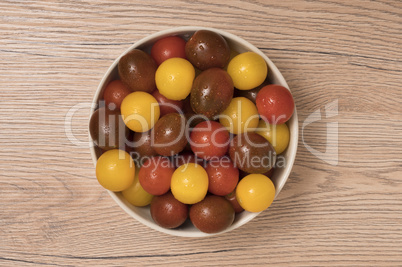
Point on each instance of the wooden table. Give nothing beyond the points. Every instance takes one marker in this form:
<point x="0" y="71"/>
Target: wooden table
<point x="342" y="204"/>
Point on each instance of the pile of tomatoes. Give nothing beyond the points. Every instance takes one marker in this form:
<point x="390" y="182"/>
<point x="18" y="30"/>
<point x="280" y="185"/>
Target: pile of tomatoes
<point x="192" y="129"/>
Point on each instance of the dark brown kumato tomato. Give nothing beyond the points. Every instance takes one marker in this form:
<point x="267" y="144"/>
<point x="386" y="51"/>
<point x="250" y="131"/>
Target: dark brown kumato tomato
<point x="140" y="146"/>
<point x="213" y="214"/>
<point x="232" y="199"/>
<point x="137" y="70"/>
<point x="169" y="134"/>
<point x="192" y="118"/>
<point x="207" y="49"/>
<point x="251" y="153"/>
<point x="212" y="92"/>
<point x="155" y="175"/>
<point x="107" y="129"/>
<point x="167" y="211"/>
<point x="250" y="94"/>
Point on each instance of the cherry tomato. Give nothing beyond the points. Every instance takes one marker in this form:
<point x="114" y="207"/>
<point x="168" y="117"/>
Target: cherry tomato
<point x="278" y="135"/>
<point x="168" y="47"/>
<point x="189" y="183"/>
<point x="252" y="153"/>
<point x="136" y="194"/>
<point x="137" y="70"/>
<point x="275" y="104"/>
<point x="115" y="170"/>
<point x="270" y="172"/>
<point x="155" y="175"/>
<point x="107" y="129"/>
<point x="255" y="192"/>
<point x="223" y="176"/>
<point x="168" y="212"/>
<point x="166" y="105"/>
<point x="248" y="70"/>
<point x="232" y="199"/>
<point x="169" y="134"/>
<point x="207" y="49"/>
<point x="241" y="116"/>
<point x="209" y="139"/>
<point x="114" y="94"/>
<point x="140" y="111"/>
<point x="174" y="78"/>
<point x="212" y="215"/>
<point x="212" y="92"/>
<point x="140" y="147"/>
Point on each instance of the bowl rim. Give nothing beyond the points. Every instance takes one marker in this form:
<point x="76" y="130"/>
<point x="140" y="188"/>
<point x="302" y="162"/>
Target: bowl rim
<point x="292" y="147"/>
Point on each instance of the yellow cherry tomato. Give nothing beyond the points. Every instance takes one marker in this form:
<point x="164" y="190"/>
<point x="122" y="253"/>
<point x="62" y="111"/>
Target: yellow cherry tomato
<point x="248" y="70"/>
<point x="140" y="111"/>
<point x="115" y="170"/>
<point x="278" y="135"/>
<point x="174" y="78"/>
<point x="240" y="116"/>
<point x="255" y="192"/>
<point x="135" y="194"/>
<point x="189" y="183"/>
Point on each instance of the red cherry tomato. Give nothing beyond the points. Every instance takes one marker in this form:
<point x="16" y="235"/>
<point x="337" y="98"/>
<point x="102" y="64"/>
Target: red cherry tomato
<point x="209" y="139"/>
<point x="168" y="47"/>
<point x="155" y="175"/>
<point x="167" y="105"/>
<point x="114" y="93"/>
<point x="223" y="176"/>
<point x="275" y="104"/>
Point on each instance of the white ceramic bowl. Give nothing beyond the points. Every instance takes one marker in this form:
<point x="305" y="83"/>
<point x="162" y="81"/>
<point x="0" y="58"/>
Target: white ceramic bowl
<point x="280" y="176"/>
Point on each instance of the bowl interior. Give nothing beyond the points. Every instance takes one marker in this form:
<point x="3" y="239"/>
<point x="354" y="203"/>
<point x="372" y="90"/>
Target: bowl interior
<point x="280" y="175"/>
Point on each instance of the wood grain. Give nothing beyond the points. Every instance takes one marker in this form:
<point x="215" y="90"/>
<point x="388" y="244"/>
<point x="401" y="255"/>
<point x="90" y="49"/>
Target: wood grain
<point x="53" y="54"/>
